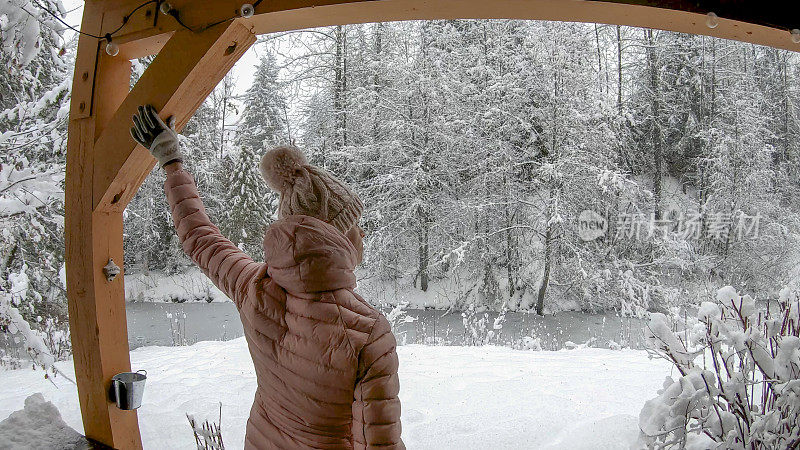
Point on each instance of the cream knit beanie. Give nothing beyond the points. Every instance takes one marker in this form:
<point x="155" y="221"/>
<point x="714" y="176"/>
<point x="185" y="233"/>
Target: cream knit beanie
<point x="309" y="190"/>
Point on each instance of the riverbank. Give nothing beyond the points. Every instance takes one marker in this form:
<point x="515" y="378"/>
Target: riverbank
<point x="167" y="324"/>
<point x="193" y="286"/>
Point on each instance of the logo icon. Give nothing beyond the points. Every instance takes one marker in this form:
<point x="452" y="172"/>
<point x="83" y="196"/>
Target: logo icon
<point x="591" y="225"/>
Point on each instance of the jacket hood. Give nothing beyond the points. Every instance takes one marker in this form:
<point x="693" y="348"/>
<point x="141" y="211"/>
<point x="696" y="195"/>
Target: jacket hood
<point x="305" y="254"/>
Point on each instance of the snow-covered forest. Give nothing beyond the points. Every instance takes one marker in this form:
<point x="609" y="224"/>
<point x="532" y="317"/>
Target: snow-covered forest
<point x="476" y="145"/>
<point x="480" y="149"/>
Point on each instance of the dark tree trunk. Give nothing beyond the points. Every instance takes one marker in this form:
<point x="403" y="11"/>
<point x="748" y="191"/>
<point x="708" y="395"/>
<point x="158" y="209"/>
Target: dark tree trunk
<point x="619" y="71"/>
<point x="423" y="183"/>
<point x="376" y="80"/>
<point x="655" y="130"/>
<point x="548" y="252"/>
<point x="423" y="253"/>
<point x="599" y="60"/>
<point x="340" y="86"/>
<point x="510" y="245"/>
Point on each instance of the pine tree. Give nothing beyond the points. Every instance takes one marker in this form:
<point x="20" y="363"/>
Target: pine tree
<point x="263" y="122"/>
<point x="250" y="206"/>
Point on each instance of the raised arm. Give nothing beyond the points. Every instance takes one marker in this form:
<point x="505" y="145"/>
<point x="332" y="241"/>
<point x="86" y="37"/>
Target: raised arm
<point x="224" y="263"/>
<point x="376" y="407"/>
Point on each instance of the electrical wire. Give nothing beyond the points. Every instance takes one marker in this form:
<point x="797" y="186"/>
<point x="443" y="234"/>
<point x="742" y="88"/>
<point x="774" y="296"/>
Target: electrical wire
<point x="174" y="13"/>
<point x="107" y="35"/>
<point x="128" y="16"/>
<point x="55" y="16"/>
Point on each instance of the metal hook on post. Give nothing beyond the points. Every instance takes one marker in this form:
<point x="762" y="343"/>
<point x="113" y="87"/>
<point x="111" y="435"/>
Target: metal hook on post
<point x="111" y="270"/>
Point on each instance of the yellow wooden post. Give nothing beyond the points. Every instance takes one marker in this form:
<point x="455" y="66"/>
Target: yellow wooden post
<point x="96" y="306"/>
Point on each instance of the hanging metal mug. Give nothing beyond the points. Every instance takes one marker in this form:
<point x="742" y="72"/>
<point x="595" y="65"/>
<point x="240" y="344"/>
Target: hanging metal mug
<point x="127" y="389"/>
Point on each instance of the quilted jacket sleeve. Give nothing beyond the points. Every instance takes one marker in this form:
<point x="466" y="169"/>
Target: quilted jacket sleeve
<point x="376" y="408"/>
<point x="229" y="268"/>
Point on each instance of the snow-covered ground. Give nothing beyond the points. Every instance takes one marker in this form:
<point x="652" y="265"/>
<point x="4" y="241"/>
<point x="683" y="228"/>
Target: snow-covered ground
<point x="453" y="397"/>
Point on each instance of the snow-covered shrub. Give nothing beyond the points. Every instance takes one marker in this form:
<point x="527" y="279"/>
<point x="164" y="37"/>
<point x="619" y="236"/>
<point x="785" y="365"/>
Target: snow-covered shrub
<point x="497" y="324"/>
<point x="10" y="354"/>
<point x="528" y="343"/>
<point x="617" y="283"/>
<point x="397" y="317"/>
<point x="56" y="338"/>
<point x="44" y="339"/>
<point x="21" y="30"/>
<point x="12" y="322"/>
<point x="739" y="383"/>
<point x="477" y="327"/>
<point x="569" y="345"/>
<point x="636" y="298"/>
<point x="207" y="435"/>
<point x="177" y="328"/>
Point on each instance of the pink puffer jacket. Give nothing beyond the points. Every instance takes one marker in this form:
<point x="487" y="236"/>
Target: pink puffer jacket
<point x="325" y="359"/>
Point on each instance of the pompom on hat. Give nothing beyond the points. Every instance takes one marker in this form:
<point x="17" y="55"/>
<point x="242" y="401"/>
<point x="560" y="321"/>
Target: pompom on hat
<point x="309" y="190"/>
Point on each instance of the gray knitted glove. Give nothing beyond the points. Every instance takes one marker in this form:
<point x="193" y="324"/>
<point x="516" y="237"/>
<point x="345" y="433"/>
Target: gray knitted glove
<point x="153" y="134"/>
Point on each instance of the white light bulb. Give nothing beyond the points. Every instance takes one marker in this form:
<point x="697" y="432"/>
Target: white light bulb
<point x="796" y="36"/>
<point x="112" y="48"/>
<point x="247" y="10"/>
<point x="165" y="8"/>
<point x="712" y="21"/>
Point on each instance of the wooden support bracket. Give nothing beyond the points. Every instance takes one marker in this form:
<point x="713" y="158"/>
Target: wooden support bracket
<point x="185" y="71"/>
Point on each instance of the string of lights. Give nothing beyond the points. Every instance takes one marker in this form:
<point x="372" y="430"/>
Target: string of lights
<point x="247" y="10"/>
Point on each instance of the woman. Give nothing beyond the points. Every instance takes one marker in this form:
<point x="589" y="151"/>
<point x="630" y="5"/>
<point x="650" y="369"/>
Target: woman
<point x="325" y="359"/>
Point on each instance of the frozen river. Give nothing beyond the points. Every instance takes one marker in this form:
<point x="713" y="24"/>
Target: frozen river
<point x="187" y="323"/>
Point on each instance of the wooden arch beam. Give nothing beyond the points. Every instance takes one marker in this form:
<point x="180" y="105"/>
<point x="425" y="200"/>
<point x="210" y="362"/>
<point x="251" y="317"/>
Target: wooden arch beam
<point x="105" y="167"/>
<point x="763" y="22"/>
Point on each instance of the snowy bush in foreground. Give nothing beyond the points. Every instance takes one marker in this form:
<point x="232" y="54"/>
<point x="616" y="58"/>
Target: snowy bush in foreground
<point x="207" y="435"/>
<point x="477" y="330"/>
<point x="397" y="317"/>
<point x="739" y="383"/>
